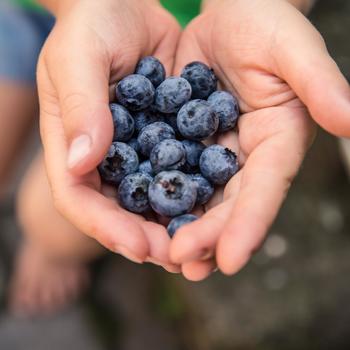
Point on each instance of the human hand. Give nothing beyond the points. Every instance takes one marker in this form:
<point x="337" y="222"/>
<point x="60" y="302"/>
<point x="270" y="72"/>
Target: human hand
<point x="270" y="56"/>
<point x="92" y="45"/>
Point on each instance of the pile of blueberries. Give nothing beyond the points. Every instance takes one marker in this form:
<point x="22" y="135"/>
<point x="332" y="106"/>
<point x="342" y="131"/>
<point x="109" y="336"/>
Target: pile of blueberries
<point x="157" y="159"/>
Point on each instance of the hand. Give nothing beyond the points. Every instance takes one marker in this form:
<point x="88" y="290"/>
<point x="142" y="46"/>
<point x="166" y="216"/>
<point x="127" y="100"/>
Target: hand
<point x="270" y="56"/>
<point x="93" y="44"/>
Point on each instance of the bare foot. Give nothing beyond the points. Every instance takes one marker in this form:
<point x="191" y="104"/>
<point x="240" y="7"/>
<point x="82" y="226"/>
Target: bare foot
<point x="40" y="286"/>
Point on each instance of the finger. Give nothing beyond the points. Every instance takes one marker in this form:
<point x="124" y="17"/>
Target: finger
<point x="82" y="87"/>
<point x="197" y="240"/>
<point x="188" y="51"/>
<point x="159" y="242"/>
<point x="198" y="270"/>
<point x="304" y="62"/>
<point x="78" y="199"/>
<point x="266" y="177"/>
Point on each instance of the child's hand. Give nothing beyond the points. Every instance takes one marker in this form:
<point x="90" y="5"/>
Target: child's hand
<point x="271" y="57"/>
<point x="93" y="44"/>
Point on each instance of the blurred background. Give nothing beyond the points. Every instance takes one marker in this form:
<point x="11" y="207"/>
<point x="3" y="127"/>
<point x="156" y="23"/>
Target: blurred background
<point x="293" y="295"/>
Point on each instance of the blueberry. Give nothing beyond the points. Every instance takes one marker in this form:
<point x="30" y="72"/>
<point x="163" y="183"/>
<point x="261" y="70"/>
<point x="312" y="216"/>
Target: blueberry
<point x="120" y="160"/>
<point x="144" y="118"/>
<point x="152" y="69"/>
<point x="171" y="94"/>
<point x="133" y="192"/>
<point x="146" y="168"/>
<point x="152" y="134"/>
<point x="226" y="107"/>
<point x="168" y="155"/>
<point x="171" y="119"/>
<point x="202" y="79"/>
<point x="205" y="190"/>
<point x="172" y="193"/>
<point x="134" y="144"/>
<point x="196" y="120"/>
<point x="122" y="121"/>
<point x="179" y="221"/>
<point x="194" y="150"/>
<point x="218" y="164"/>
<point x="135" y="92"/>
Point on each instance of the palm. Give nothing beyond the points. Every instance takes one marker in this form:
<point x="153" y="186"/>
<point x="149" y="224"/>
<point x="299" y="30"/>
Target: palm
<point x="274" y="134"/>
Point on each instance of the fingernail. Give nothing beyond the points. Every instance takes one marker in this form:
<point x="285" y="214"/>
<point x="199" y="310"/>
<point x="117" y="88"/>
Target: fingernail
<point x="206" y="255"/>
<point x="172" y="268"/>
<point x="78" y="150"/>
<point x="127" y="254"/>
<point x="154" y="261"/>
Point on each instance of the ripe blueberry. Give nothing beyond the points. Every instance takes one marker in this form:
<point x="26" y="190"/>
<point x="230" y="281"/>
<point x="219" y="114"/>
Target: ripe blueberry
<point x="172" y="193"/>
<point x="218" y="164"/>
<point x="202" y="79"/>
<point x="171" y="94"/>
<point x="196" y="120"/>
<point x="168" y="155"/>
<point x="144" y="118"/>
<point x="120" y="160"/>
<point x="152" y="69"/>
<point x="152" y="134"/>
<point x="122" y="121"/>
<point x="194" y="150"/>
<point x="133" y="192"/>
<point x="178" y="222"/>
<point x="135" y="92"/>
<point x="226" y="107"/>
<point x="146" y="168"/>
<point x="205" y="190"/>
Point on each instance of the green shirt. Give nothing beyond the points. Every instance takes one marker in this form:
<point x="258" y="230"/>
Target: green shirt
<point x="28" y="4"/>
<point x="183" y="10"/>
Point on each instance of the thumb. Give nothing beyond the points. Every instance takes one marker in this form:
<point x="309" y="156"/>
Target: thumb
<point x="307" y="67"/>
<point x="81" y="80"/>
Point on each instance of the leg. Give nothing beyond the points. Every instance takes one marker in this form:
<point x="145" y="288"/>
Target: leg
<point x="50" y="269"/>
<point x="18" y="107"/>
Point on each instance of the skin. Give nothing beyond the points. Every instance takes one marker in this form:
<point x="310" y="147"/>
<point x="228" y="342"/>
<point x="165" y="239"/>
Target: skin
<point x="257" y="56"/>
<point x="275" y="130"/>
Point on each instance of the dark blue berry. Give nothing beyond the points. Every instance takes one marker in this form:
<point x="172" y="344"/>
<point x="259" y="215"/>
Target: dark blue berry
<point x="205" y="190"/>
<point x="218" y="164"/>
<point x="194" y="150"/>
<point x="122" y="121"/>
<point x="152" y="134"/>
<point x="196" y="120"/>
<point x="152" y="69"/>
<point x="171" y="94"/>
<point x="171" y="119"/>
<point x="226" y="107"/>
<point x="178" y="222"/>
<point x="144" y="118"/>
<point x="202" y="79"/>
<point x="146" y="168"/>
<point x="134" y="144"/>
<point x="135" y="92"/>
<point x="120" y="160"/>
<point x="172" y="193"/>
<point x="133" y="192"/>
<point x="168" y="155"/>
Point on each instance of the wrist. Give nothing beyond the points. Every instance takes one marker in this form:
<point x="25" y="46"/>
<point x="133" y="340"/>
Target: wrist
<point x="302" y="5"/>
<point x="61" y="7"/>
<point x="56" y="7"/>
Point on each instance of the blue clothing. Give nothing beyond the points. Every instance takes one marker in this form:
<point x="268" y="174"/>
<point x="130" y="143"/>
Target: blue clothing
<point x="22" y="35"/>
